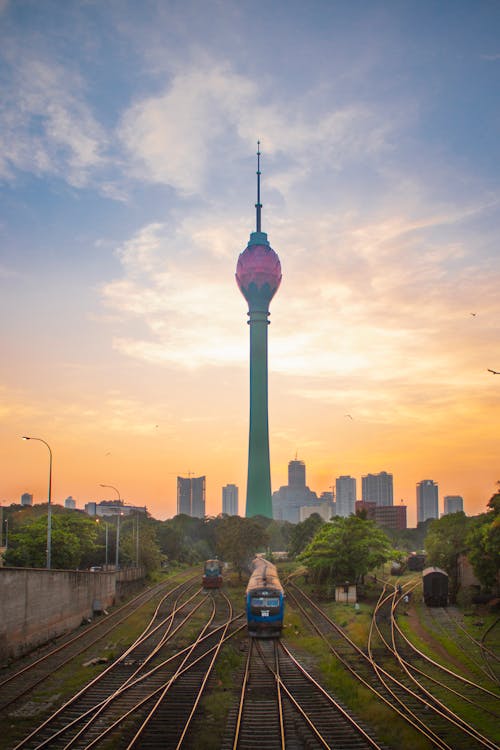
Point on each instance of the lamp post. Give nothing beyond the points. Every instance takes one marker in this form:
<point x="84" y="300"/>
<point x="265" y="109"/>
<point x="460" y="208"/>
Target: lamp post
<point x="110" y="486"/>
<point x="49" y="507"/>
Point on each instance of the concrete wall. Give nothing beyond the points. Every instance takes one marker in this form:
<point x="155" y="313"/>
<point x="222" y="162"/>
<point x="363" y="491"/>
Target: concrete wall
<point x="37" y="605"/>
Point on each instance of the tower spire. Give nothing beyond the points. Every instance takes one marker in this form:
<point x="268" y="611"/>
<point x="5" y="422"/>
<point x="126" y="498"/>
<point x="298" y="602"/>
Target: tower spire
<point x="258" y="205"/>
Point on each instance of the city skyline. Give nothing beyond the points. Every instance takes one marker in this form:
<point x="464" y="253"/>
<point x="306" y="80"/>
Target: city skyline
<point x="127" y="177"/>
<point x="296" y="478"/>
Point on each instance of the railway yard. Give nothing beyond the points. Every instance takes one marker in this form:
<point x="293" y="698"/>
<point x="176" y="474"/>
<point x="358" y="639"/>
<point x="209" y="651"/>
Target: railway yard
<point x="174" y="667"/>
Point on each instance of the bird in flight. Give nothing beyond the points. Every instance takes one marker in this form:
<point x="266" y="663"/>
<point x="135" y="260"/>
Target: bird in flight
<point x="473" y="315"/>
<point x="493" y="371"/>
<point x="348" y="415"/>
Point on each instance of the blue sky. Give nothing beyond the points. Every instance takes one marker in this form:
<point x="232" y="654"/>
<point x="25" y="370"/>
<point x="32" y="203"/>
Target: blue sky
<point x="127" y="174"/>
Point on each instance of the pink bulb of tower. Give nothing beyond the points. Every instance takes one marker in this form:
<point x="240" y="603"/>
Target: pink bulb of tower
<point x="258" y="269"/>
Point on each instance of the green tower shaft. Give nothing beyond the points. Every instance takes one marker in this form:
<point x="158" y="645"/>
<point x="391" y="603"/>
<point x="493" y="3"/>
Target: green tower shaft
<point x="258" y="275"/>
<point x="259" y="470"/>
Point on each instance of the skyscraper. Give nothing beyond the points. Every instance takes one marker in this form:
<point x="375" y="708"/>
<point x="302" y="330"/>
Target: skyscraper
<point x="26" y="499"/>
<point x="453" y="504"/>
<point x="191" y="496"/>
<point x="288" y="500"/>
<point x="296" y="474"/>
<point x="230" y="500"/>
<point x="377" y="488"/>
<point x="427" y="500"/>
<point x="258" y="275"/>
<point x="345" y="493"/>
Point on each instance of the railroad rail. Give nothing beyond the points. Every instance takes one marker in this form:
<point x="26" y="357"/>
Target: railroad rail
<point x="282" y="706"/>
<point x="432" y="683"/>
<point x="22" y="681"/>
<point x="126" y="705"/>
<point x="375" y="668"/>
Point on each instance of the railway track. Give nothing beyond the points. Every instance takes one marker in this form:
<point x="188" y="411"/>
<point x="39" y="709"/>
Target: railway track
<point x="434" y="684"/>
<point x="378" y="668"/>
<point x="150" y="695"/>
<point x="282" y="706"/>
<point x="22" y="681"/>
<point x="485" y="660"/>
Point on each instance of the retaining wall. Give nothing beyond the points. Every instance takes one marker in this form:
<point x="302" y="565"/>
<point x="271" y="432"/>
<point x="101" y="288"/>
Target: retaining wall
<point x="37" y="605"/>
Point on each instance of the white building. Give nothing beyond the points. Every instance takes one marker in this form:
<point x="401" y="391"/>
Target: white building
<point x="345" y="496"/>
<point x="427" y="500"/>
<point x="230" y="500"/>
<point x="324" y="509"/>
<point x="378" y="489"/>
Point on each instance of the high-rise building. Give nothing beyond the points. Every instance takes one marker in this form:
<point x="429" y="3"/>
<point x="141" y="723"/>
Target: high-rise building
<point x="377" y="488"/>
<point x="258" y="274"/>
<point x="453" y="504"/>
<point x="191" y="496"/>
<point x="26" y="499"/>
<point x="70" y="503"/>
<point x="296" y="474"/>
<point x="289" y="499"/>
<point x="345" y="495"/>
<point x="427" y="500"/>
<point x="230" y="500"/>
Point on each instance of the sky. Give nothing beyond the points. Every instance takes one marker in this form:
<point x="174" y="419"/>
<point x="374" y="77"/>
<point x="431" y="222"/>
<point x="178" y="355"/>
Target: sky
<point x="128" y="136"/>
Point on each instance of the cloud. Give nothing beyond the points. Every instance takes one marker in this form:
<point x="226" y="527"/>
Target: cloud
<point x="169" y="136"/>
<point x="176" y="137"/>
<point x="46" y="126"/>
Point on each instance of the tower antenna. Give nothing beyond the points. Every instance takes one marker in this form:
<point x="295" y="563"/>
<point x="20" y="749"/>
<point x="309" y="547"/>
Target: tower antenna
<point x="258" y="205"/>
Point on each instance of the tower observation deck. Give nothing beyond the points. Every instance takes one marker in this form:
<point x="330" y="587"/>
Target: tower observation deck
<point x="258" y="275"/>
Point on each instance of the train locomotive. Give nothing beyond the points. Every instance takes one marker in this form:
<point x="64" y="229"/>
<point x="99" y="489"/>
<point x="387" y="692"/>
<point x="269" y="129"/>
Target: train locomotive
<point x="264" y="600"/>
<point x="212" y="574"/>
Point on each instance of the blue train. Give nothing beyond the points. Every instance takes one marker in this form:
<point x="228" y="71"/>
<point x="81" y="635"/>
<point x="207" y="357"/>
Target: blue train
<point x="264" y="600"/>
<point x="212" y="574"/>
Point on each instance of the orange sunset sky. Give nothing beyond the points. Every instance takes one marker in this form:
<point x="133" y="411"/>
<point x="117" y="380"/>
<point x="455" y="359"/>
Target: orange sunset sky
<point x="127" y="172"/>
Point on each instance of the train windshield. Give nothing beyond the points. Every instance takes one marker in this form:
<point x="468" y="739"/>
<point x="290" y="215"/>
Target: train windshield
<point x="212" y="566"/>
<point x="265" y="601"/>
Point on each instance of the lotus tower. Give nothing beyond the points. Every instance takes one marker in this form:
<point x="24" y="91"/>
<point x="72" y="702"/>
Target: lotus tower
<point x="258" y="274"/>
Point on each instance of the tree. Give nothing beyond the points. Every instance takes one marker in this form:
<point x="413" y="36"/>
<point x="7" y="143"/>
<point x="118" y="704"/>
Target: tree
<point x="345" y="549"/>
<point x="238" y="539"/>
<point x="445" y="542"/>
<point x="178" y="538"/>
<point x="303" y="532"/>
<point x="483" y="542"/>
<point x="74" y="537"/>
<point x="145" y="545"/>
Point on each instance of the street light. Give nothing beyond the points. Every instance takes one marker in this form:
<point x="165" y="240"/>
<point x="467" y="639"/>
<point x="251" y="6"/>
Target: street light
<point x="110" y="486"/>
<point x="49" y="507"/>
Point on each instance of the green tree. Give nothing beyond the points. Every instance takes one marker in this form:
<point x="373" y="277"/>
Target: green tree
<point x="238" y="539"/>
<point x="178" y="538"/>
<point x="73" y="539"/>
<point x="483" y="542"/>
<point x="302" y="533"/>
<point x="445" y="542"/>
<point x="139" y="540"/>
<point x="345" y="549"/>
